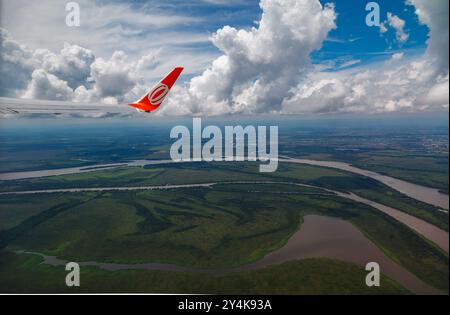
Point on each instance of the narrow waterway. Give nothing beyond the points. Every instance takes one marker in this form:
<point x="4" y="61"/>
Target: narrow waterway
<point x="77" y="170"/>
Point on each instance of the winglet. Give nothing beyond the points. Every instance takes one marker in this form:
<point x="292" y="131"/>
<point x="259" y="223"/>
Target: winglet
<point x="153" y="99"/>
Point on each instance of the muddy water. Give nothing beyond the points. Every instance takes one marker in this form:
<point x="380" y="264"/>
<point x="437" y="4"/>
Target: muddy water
<point x="431" y="232"/>
<point x="325" y="237"/>
<point x="77" y="170"/>
<point x="318" y="237"/>
<point x="428" y="195"/>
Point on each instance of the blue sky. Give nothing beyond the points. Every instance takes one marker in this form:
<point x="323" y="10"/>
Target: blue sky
<point x="351" y="40"/>
<point x="354" y="39"/>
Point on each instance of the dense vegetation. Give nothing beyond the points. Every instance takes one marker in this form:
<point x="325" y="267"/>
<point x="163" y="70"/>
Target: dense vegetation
<point x="24" y="273"/>
<point x="223" y="172"/>
<point x="220" y="227"/>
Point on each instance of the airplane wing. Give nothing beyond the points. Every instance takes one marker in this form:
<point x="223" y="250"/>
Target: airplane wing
<point x="11" y="106"/>
<point x="147" y="103"/>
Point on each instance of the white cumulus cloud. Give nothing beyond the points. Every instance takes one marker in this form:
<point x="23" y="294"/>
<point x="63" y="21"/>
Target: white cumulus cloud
<point x="399" y="26"/>
<point x="72" y="74"/>
<point x="434" y="14"/>
<point x="16" y="65"/>
<point x="72" y="64"/>
<point x="47" y="86"/>
<point x="259" y="66"/>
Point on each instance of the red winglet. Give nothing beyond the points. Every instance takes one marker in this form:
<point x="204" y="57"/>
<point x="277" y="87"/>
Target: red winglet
<point x="153" y="99"/>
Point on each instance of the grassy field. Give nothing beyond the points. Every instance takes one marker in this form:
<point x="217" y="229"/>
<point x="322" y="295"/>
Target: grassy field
<point x="221" y="227"/>
<point x="24" y="273"/>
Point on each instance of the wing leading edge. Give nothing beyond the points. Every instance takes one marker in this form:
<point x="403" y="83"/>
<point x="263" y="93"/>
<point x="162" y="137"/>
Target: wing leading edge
<point x="148" y="103"/>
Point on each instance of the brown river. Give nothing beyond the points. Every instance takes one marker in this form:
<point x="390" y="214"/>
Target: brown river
<point x="428" y="195"/>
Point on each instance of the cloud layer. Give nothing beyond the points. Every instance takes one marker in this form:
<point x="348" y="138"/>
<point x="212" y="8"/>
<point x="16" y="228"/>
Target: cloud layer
<point x="267" y="69"/>
<point x="263" y="69"/>
<point x="16" y="65"/>
<point x="73" y="74"/>
<point x="396" y="85"/>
